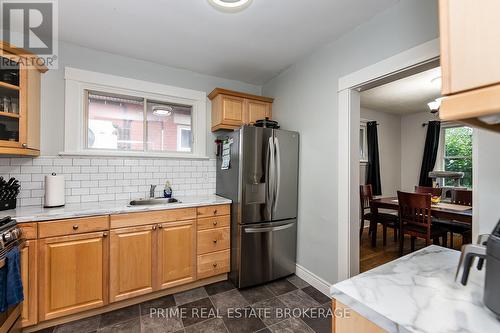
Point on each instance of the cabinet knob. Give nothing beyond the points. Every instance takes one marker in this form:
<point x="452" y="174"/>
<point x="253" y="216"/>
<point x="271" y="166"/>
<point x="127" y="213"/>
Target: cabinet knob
<point x="160" y="226"/>
<point x="75" y="227"/>
<point x="24" y="145"/>
<point x="215" y="265"/>
<point x="215" y="223"/>
<point x="215" y="241"/>
<point x="104" y="234"/>
<point x="215" y="211"/>
<point x="154" y="227"/>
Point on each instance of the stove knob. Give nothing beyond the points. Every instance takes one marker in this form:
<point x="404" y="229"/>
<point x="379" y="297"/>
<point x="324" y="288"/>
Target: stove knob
<point x="7" y="237"/>
<point x="17" y="233"/>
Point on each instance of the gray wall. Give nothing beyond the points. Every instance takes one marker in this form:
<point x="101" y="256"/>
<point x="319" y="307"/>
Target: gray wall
<point x="487" y="180"/>
<point x="306" y="100"/>
<point x="389" y="144"/>
<point x="412" y="148"/>
<point x="52" y="102"/>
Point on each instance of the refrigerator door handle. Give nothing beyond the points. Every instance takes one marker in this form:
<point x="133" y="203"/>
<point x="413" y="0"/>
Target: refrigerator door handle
<point x="268" y="229"/>
<point x="270" y="176"/>
<point x="277" y="173"/>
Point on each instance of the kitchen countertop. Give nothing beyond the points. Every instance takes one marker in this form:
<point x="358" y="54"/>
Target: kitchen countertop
<point x="39" y="213"/>
<point x="418" y="293"/>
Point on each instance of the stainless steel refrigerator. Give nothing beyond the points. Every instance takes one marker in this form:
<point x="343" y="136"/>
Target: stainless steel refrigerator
<point x="262" y="182"/>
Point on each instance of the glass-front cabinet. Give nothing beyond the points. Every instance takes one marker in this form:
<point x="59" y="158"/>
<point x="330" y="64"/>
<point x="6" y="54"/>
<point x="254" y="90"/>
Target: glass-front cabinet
<point x="19" y="103"/>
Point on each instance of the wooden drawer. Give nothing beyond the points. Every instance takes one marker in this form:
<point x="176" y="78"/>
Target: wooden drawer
<point x="213" y="240"/>
<point x="213" y="264"/>
<point x="144" y="218"/>
<point x="72" y="226"/>
<point x="209" y="211"/>
<point x="214" y="222"/>
<point x="30" y="230"/>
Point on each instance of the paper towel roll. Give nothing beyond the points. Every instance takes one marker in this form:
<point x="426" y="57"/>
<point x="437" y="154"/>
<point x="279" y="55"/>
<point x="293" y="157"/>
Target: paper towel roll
<point x="54" y="191"/>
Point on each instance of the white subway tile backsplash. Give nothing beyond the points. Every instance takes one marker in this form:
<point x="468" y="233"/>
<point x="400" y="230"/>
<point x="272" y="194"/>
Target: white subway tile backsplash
<point x="63" y="161"/>
<point x="80" y="191"/>
<point x="97" y="190"/>
<point x="99" y="161"/>
<point x="106" y="197"/>
<point x="99" y="179"/>
<point x="81" y="161"/>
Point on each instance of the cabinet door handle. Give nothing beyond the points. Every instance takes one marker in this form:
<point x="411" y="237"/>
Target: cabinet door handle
<point x="160" y="226"/>
<point x="24" y="145"/>
<point x="215" y="265"/>
<point x="215" y="223"/>
<point x="215" y="211"/>
<point x="75" y="227"/>
<point x="154" y="227"/>
<point x="104" y="234"/>
<point x="215" y="241"/>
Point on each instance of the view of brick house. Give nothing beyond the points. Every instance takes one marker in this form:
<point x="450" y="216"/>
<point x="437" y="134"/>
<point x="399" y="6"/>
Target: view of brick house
<point x="118" y="123"/>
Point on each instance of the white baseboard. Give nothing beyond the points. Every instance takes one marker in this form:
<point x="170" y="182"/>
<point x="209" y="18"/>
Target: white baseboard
<point x="313" y="279"/>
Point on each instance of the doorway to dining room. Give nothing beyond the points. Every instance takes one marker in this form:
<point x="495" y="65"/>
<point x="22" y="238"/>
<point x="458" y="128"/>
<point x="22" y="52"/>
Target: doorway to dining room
<point x="390" y="114"/>
<point x="398" y="120"/>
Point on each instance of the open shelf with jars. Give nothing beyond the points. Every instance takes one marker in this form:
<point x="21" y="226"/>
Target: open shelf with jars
<point x="19" y="103"/>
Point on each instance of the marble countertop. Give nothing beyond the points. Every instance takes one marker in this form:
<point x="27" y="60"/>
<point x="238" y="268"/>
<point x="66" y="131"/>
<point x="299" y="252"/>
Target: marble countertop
<point x="418" y="293"/>
<point x="39" y="213"/>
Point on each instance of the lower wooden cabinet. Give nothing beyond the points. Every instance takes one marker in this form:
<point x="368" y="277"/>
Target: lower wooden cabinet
<point x="176" y="253"/>
<point x="131" y="262"/>
<point x="212" y="264"/>
<point x="345" y="320"/>
<point x="80" y="264"/>
<point x="29" y="256"/>
<point x="73" y="274"/>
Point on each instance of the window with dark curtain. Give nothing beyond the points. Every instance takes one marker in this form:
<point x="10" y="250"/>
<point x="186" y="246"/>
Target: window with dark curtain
<point x="430" y="152"/>
<point x="373" y="173"/>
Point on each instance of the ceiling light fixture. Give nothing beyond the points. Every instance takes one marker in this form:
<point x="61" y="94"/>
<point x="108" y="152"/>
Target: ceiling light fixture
<point x="435" y="105"/>
<point x="230" y="5"/>
<point x="437" y="81"/>
<point x="162" y="111"/>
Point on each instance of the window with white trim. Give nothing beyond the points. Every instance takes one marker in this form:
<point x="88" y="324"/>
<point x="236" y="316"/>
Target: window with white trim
<point x="363" y="143"/>
<point x="457" y="153"/>
<point x="110" y="115"/>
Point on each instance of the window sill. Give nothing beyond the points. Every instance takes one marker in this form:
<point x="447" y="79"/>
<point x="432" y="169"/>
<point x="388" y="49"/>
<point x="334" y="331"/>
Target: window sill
<point x="100" y="153"/>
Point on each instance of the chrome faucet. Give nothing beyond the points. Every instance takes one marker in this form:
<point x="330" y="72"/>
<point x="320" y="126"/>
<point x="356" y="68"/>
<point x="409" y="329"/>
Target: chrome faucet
<point x="152" y="191"/>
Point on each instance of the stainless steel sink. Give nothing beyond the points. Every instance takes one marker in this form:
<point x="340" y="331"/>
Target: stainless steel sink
<point x="153" y="201"/>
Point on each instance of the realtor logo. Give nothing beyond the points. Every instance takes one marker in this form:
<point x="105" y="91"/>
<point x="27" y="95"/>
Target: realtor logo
<point x="31" y="26"/>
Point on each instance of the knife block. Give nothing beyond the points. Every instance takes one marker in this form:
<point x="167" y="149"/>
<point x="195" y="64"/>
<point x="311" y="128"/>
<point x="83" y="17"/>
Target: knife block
<point x="8" y="204"/>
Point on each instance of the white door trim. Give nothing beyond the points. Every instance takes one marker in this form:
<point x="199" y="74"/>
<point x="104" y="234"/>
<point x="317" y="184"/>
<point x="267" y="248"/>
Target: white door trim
<point x="348" y="172"/>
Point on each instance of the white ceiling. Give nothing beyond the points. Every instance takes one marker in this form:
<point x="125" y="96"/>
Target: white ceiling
<point x="251" y="46"/>
<point x="405" y="96"/>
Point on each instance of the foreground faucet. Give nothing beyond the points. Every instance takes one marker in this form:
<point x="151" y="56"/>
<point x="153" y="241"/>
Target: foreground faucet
<point x="152" y="191"/>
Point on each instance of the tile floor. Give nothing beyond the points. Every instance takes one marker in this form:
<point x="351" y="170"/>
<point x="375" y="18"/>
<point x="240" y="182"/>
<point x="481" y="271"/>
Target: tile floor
<point x="287" y="305"/>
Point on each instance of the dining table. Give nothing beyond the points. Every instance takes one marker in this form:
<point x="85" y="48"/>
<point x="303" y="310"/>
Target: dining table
<point x="453" y="214"/>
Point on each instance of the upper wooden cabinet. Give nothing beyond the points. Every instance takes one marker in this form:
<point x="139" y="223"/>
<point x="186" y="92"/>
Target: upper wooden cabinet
<point x="469" y="55"/>
<point x="19" y="103"/>
<point x="231" y="109"/>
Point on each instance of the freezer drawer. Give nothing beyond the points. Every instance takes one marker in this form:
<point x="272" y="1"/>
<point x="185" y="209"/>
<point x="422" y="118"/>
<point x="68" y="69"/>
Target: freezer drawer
<point x="268" y="252"/>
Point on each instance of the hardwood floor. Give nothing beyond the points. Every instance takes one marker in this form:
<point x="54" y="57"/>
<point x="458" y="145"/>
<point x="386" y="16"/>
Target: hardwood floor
<point x="371" y="257"/>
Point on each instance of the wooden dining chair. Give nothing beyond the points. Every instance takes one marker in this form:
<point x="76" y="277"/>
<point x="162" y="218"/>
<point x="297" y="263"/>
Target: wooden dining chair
<point x="368" y="214"/>
<point x="461" y="197"/>
<point x="434" y="191"/>
<point x="464" y="198"/>
<point x="415" y="220"/>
